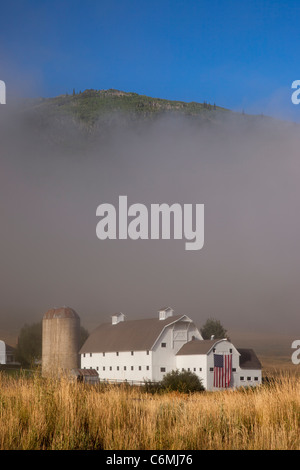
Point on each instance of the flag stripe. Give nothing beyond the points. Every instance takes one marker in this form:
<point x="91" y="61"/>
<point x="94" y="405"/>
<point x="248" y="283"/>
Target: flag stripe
<point x="222" y="370"/>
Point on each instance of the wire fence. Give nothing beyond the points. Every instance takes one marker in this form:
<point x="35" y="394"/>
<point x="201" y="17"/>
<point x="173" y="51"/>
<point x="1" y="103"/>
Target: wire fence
<point x="126" y="381"/>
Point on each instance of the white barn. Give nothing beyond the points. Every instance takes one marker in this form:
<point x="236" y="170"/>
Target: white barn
<point x="7" y="353"/>
<point x="147" y="349"/>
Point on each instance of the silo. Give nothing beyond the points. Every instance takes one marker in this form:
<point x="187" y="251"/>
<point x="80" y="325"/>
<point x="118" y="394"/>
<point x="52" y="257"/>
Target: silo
<point x="60" y="344"/>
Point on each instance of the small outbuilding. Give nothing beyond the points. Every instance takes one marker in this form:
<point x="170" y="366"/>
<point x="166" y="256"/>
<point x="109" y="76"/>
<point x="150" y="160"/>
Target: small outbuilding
<point x="7" y="353"/>
<point x="89" y="376"/>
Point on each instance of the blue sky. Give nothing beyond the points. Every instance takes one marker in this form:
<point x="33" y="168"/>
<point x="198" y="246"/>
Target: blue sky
<point x="240" y="55"/>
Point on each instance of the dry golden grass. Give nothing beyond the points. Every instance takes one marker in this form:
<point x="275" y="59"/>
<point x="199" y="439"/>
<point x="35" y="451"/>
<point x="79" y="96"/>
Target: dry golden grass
<point x="37" y="413"/>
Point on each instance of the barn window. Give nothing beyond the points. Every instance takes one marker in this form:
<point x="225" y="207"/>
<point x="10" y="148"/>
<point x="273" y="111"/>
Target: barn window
<point x="211" y="369"/>
<point x="91" y="354"/>
<point x="110" y="367"/>
<point x="147" y="353"/>
<point x="103" y="368"/>
<point x="124" y="367"/>
<point x="147" y="367"/>
<point x="132" y="353"/>
<point x="163" y="369"/>
<point x="163" y="345"/>
<point x="248" y="378"/>
<point x="140" y="367"/>
<point x="131" y="367"/>
<point x="103" y="354"/>
<point x="230" y="350"/>
<point x="118" y="368"/>
<point x="242" y="378"/>
<point x="194" y="369"/>
<point x="117" y="353"/>
<point x="233" y="369"/>
<point x="83" y="354"/>
<point x="255" y="378"/>
<point x="200" y="369"/>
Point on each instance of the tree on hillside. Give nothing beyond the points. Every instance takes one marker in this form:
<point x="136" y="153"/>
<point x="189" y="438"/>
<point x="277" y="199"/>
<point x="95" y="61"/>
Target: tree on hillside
<point x="213" y="327"/>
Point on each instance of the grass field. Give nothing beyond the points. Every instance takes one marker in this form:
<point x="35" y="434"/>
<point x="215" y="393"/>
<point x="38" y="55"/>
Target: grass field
<point x="37" y="413"/>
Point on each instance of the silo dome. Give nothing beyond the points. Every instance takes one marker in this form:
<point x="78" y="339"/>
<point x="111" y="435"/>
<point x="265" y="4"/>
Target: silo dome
<point x="61" y="312"/>
<point x="60" y="345"/>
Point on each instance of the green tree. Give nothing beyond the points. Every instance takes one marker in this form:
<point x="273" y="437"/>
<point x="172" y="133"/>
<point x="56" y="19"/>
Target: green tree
<point x="184" y="382"/>
<point x="213" y="327"/>
<point x="29" y="347"/>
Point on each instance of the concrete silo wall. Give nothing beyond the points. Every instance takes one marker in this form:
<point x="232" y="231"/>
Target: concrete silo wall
<point x="60" y="346"/>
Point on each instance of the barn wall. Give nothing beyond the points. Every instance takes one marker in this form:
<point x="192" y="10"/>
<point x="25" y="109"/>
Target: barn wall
<point x="107" y="365"/>
<point x="247" y="378"/>
<point x="163" y="356"/>
<point x="223" y="347"/>
<point x="174" y="336"/>
<point x="196" y="363"/>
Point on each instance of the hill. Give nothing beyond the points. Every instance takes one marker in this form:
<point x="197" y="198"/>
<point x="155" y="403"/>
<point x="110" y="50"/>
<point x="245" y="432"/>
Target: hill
<point x="66" y="118"/>
<point x="90" y="105"/>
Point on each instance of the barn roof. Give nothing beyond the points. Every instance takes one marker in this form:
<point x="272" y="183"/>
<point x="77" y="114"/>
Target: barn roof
<point x="132" y="335"/>
<point x="248" y="359"/>
<point x="197" y="346"/>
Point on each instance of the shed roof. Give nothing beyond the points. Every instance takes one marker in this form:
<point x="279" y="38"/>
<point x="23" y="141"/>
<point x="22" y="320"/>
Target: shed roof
<point x="8" y="348"/>
<point x="132" y="335"/>
<point x="85" y="372"/>
<point x="248" y="359"/>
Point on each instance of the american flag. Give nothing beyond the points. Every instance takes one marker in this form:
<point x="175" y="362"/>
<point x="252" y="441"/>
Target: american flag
<point x="222" y="370"/>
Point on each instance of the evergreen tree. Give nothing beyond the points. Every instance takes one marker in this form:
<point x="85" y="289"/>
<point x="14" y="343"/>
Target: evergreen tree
<point x="213" y="327"/>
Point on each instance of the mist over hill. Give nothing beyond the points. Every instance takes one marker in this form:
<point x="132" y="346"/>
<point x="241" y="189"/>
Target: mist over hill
<point x="62" y="157"/>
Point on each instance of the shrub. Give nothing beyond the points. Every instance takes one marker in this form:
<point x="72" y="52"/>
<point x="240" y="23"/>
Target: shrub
<point x="185" y="382"/>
